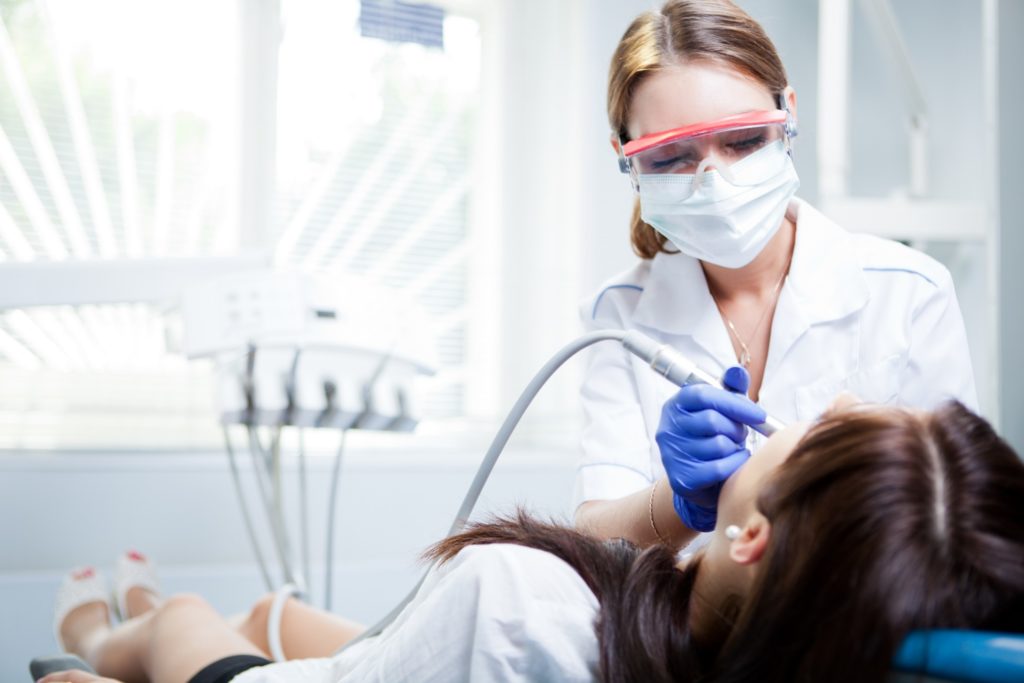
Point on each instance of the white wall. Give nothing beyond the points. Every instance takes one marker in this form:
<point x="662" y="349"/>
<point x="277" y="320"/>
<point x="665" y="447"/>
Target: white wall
<point x="1011" y="212"/>
<point x="945" y="45"/>
<point x="562" y="225"/>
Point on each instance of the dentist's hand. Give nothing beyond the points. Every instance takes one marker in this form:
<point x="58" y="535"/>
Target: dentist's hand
<point x="702" y="437"/>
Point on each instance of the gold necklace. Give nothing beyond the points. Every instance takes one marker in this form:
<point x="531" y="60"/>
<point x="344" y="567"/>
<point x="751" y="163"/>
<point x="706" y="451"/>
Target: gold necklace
<point x="744" y="355"/>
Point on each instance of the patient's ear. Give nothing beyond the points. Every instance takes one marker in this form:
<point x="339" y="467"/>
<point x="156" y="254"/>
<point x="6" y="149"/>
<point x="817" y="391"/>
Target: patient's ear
<point x="752" y="541"/>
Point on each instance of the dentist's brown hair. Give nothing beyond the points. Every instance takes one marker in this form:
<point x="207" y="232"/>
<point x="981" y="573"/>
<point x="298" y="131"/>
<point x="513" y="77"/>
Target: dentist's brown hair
<point x="683" y="31"/>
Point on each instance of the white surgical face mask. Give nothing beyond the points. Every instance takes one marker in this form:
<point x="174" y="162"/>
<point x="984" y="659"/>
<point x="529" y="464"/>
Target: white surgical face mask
<point x="719" y="222"/>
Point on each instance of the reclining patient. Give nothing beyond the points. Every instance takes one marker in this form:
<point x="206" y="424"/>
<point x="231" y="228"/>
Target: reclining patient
<point x="833" y="543"/>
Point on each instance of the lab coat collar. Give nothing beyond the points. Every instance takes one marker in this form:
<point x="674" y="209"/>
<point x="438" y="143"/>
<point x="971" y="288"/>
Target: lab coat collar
<point x="825" y="276"/>
<point x="676" y="297"/>
<point x="676" y="301"/>
<point x="825" y="282"/>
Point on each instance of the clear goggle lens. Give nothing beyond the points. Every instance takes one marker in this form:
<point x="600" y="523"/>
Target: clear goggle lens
<point x="742" y="155"/>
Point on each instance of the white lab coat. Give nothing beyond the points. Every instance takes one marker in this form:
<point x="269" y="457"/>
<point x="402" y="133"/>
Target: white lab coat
<point x="493" y="614"/>
<point x="856" y="313"/>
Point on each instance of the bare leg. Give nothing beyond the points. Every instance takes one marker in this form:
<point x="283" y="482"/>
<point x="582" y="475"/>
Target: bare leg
<point x="187" y="635"/>
<point x="85" y="628"/>
<point x="305" y="631"/>
<point x="169" y="641"/>
<point x="167" y="644"/>
<point x="85" y="631"/>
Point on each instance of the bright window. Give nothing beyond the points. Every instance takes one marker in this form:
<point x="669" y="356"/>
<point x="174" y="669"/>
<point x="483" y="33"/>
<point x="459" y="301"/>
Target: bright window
<point x="374" y="142"/>
<point x="119" y="140"/>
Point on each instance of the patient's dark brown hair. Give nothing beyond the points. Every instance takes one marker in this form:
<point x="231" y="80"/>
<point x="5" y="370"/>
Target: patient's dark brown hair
<point x="883" y="521"/>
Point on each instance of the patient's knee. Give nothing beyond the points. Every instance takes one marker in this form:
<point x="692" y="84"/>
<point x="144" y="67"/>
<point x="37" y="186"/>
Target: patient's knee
<point x="254" y="628"/>
<point x="181" y="601"/>
<point x="182" y="606"/>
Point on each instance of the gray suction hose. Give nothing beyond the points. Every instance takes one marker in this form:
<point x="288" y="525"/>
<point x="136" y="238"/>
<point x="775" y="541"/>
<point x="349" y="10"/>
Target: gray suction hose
<point x="662" y="359"/>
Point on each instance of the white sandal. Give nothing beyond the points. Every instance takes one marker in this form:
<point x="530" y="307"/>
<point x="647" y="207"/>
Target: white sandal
<point x="80" y="586"/>
<point x="134" y="570"/>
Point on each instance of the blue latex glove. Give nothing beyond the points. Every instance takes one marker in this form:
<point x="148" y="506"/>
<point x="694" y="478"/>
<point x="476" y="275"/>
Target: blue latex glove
<point x="702" y="437"/>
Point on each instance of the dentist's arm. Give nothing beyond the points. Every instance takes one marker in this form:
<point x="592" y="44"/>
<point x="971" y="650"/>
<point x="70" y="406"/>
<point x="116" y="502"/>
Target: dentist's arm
<point x="629" y="517"/>
<point x="702" y="438"/>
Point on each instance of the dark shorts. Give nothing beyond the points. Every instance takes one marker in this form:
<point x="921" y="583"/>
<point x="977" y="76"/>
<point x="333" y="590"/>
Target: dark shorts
<point x="223" y="670"/>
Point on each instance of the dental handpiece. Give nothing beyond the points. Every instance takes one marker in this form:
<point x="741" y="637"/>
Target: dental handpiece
<point x="681" y="371"/>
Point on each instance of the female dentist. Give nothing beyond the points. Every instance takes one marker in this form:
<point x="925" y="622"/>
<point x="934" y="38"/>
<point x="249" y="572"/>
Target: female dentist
<point x="741" y="277"/>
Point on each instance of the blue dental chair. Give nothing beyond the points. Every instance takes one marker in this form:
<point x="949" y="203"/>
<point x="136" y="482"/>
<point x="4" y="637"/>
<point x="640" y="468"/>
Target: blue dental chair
<point x="926" y="657"/>
<point x="952" y="656"/>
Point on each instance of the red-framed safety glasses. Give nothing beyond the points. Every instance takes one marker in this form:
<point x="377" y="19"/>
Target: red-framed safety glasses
<point x="722" y="145"/>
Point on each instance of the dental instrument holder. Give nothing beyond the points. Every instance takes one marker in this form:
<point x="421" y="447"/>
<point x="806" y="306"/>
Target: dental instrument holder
<point x="360" y="390"/>
<point x="664" y="360"/>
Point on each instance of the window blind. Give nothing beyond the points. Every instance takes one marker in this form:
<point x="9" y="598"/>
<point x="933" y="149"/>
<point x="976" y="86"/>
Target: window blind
<point x="117" y="140"/>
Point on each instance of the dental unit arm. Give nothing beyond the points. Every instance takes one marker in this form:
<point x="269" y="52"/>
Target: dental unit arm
<point x="663" y="359"/>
